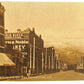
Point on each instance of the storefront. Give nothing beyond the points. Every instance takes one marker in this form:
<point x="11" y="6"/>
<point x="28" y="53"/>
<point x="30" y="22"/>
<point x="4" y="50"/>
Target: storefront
<point x="6" y="65"/>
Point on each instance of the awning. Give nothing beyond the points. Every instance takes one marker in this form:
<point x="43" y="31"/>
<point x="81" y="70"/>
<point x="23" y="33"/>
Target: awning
<point x="5" y="60"/>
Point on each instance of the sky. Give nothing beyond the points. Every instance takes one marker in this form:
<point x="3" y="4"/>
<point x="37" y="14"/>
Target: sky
<point x="60" y="24"/>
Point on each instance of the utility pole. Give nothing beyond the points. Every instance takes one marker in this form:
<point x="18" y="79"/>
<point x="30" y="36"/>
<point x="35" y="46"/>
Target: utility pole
<point x="42" y="63"/>
<point x="52" y="60"/>
<point x="46" y="60"/>
<point x="34" y="54"/>
<point x="49" y="62"/>
<point x="30" y="58"/>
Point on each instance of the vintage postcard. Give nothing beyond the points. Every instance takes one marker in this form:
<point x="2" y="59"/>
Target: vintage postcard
<point x="41" y="41"/>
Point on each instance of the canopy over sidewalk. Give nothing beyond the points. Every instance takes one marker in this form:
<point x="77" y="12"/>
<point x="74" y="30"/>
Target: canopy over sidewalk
<point x="5" y="60"/>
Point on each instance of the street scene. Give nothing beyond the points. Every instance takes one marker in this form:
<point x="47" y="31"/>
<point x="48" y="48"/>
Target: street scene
<point x="60" y="76"/>
<point x="51" y="50"/>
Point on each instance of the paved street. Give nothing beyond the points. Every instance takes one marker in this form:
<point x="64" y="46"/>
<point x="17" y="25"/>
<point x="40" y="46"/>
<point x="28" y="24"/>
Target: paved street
<point x="62" y="75"/>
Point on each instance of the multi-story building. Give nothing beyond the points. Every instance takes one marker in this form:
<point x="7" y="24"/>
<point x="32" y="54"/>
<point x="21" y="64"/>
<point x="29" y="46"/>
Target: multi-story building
<point x="24" y="45"/>
<point x="31" y="45"/>
<point x="5" y="61"/>
<point x="2" y="41"/>
<point x="57" y="62"/>
<point x="51" y="62"/>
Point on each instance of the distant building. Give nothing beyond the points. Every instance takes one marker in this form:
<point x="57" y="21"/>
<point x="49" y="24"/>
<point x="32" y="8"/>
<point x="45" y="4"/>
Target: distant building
<point x="51" y="61"/>
<point x="80" y="66"/>
<point x="57" y="62"/>
<point x="30" y="44"/>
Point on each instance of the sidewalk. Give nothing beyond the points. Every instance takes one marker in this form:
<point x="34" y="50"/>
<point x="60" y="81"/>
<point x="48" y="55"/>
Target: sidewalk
<point x="10" y="77"/>
<point x="2" y="78"/>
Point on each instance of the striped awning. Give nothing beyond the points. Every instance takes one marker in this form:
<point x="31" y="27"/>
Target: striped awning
<point x="5" y="60"/>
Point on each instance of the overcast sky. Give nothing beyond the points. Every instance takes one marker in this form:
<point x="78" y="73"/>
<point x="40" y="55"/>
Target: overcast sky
<point x="59" y="23"/>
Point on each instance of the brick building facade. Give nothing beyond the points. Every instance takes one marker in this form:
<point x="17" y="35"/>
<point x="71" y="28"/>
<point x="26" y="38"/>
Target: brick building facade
<point x="17" y="58"/>
<point x="2" y="40"/>
<point x="31" y="46"/>
<point x="37" y="59"/>
<point x="5" y="62"/>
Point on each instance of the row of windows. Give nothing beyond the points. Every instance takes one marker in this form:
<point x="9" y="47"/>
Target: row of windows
<point x="2" y="40"/>
<point x="16" y="35"/>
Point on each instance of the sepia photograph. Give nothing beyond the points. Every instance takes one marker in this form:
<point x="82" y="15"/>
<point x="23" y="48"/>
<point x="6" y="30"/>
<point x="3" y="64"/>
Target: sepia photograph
<point x="41" y="41"/>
